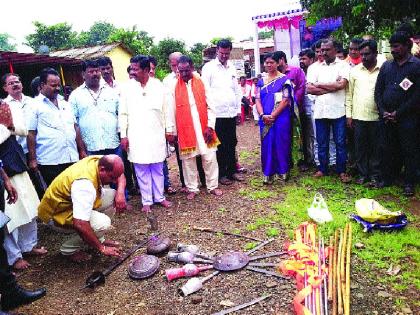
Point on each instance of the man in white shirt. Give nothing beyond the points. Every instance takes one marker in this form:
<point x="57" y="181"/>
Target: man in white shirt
<point x="223" y="94"/>
<point x="142" y="126"/>
<point x="193" y="120"/>
<point x="329" y="84"/>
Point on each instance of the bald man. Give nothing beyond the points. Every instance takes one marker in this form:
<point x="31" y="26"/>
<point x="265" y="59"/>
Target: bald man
<point x="77" y="202"/>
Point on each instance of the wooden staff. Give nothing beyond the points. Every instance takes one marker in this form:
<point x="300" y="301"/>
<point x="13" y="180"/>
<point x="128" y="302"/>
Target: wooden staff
<point x="347" y="294"/>
<point x="330" y="264"/>
<point x="339" y="293"/>
<point x="334" y="273"/>
<point x="343" y="264"/>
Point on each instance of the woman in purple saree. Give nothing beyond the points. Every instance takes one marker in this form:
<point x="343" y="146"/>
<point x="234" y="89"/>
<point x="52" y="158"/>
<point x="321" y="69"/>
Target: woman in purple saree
<point x="274" y="102"/>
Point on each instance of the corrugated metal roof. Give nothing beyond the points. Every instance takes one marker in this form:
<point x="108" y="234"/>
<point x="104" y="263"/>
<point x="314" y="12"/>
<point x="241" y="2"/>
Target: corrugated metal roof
<point x="7" y="57"/>
<point x="90" y="52"/>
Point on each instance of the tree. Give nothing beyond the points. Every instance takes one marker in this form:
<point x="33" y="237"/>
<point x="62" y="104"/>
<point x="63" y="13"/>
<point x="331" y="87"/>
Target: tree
<point x="58" y="36"/>
<point x="138" y="41"/>
<point x="164" y="48"/>
<point x="196" y="53"/>
<point x="365" y="16"/>
<point x="5" y="43"/>
<point x="214" y="40"/>
<point x="98" y="34"/>
<point x="265" y="35"/>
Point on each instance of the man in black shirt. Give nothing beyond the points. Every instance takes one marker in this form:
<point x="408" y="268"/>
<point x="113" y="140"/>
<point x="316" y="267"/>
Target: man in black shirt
<point x="397" y="94"/>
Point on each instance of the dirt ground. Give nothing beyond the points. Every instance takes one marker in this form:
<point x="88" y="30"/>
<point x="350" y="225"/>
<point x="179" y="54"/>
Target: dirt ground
<point x="121" y="295"/>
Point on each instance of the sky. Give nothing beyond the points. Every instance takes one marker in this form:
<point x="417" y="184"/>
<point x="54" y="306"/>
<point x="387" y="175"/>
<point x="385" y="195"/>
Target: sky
<point x="188" y="20"/>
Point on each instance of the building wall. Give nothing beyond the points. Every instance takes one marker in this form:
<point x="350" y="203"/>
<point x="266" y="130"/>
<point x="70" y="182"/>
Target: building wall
<point x="120" y="61"/>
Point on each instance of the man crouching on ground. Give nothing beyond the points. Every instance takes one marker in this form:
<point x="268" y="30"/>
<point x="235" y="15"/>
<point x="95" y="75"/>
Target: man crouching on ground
<point x="76" y="201"/>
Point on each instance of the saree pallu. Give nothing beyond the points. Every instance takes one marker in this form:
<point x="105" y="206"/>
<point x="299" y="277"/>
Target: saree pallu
<point x="276" y="140"/>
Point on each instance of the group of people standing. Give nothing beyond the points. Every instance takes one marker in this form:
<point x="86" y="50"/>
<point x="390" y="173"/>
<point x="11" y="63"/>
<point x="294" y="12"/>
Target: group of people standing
<point x="59" y="155"/>
<point x="363" y="110"/>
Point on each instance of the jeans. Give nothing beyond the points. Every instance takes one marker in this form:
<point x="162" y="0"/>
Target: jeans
<point x="323" y="127"/>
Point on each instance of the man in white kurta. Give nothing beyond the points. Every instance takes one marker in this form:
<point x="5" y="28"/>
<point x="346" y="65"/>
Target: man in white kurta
<point x="21" y="234"/>
<point x="142" y="127"/>
<point x="197" y="144"/>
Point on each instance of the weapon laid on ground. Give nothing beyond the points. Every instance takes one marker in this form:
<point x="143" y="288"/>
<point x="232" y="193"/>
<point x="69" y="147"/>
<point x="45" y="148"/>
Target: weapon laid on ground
<point x="98" y="277"/>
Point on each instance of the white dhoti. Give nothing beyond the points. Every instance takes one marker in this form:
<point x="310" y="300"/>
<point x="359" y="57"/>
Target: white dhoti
<point x="21" y="232"/>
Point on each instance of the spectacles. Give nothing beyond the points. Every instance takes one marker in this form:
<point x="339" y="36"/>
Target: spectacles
<point x="13" y="82"/>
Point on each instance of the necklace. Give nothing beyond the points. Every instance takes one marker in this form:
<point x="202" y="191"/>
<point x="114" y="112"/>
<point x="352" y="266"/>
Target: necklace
<point x="95" y="99"/>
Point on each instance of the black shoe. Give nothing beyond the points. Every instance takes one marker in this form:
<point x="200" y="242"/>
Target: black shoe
<point x="19" y="296"/>
<point x="361" y="180"/>
<point x="408" y="190"/>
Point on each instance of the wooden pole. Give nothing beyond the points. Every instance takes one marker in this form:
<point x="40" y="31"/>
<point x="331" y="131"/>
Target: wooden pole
<point x="343" y="263"/>
<point x="339" y="293"/>
<point x="334" y="274"/>
<point x="347" y="294"/>
<point x="330" y="264"/>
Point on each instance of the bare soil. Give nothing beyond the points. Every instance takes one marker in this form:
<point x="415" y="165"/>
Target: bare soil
<point x="121" y="295"/>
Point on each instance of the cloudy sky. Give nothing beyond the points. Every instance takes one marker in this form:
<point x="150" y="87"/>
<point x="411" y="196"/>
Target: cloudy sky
<point x="189" y="20"/>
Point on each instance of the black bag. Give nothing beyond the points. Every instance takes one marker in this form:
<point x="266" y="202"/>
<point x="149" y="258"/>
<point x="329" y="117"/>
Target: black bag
<point x="14" y="160"/>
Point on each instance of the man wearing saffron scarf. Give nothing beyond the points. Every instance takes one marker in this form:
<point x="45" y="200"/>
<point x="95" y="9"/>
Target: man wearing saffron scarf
<point x="193" y="121"/>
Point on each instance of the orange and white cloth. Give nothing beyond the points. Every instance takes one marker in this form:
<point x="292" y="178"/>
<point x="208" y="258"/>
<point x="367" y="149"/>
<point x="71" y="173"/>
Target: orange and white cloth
<point x="305" y="266"/>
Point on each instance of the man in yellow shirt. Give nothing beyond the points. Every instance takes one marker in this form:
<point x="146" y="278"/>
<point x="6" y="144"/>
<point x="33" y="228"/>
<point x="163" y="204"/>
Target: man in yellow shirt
<point x="362" y="114"/>
<point x="76" y="202"/>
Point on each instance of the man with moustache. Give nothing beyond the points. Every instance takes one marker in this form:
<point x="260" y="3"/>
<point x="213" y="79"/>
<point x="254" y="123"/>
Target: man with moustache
<point x="397" y="94"/>
<point x="54" y="140"/>
<point x="329" y="86"/>
<point x="362" y="114"/>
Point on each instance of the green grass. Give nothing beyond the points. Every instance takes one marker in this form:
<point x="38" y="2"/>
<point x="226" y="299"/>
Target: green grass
<point x="255" y="194"/>
<point x="381" y="248"/>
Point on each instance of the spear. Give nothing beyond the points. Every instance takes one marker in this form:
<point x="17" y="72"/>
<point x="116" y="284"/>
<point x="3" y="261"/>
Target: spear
<point x="343" y="264"/>
<point x="334" y="274"/>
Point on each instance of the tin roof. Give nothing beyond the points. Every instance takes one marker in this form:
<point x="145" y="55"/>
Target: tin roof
<point x="15" y="58"/>
<point x="89" y="52"/>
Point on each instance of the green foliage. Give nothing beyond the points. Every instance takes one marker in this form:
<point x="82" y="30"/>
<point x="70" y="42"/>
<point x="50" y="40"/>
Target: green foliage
<point x="164" y="48"/>
<point x="265" y="35"/>
<point x="98" y="34"/>
<point x="214" y="40"/>
<point x="57" y="36"/>
<point x="361" y="16"/>
<point x="138" y="41"/>
<point x="5" y="43"/>
<point x="196" y="53"/>
<point x="272" y="232"/>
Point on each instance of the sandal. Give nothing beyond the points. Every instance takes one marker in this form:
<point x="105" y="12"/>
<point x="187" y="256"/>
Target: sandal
<point x="345" y="178"/>
<point x="170" y="190"/>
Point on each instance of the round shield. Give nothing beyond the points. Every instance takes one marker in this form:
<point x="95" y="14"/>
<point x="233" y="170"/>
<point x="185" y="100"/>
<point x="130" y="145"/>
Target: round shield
<point x="143" y="266"/>
<point x="158" y="245"/>
<point x="231" y="261"/>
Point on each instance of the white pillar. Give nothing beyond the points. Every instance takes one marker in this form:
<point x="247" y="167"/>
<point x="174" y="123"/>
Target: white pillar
<point x="256" y="52"/>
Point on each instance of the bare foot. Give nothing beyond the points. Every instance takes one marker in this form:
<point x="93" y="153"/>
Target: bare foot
<point x="184" y="190"/>
<point x="21" y="264"/>
<point x="111" y="243"/>
<point x="216" y="192"/>
<point x="191" y="195"/>
<point x="165" y="203"/>
<point x="146" y="209"/>
<point x="79" y="257"/>
<point x="38" y="251"/>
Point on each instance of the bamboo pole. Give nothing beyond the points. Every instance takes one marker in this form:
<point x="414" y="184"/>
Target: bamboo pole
<point x="330" y="264"/>
<point x="339" y="293"/>
<point x="334" y="274"/>
<point x="343" y="263"/>
<point x="347" y="294"/>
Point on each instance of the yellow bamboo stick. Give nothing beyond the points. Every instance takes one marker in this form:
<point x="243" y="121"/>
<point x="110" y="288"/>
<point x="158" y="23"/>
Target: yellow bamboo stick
<point x="338" y="268"/>
<point x="330" y="264"/>
<point x="334" y="273"/>
<point x="347" y="294"/>
<point x="343" y="263"/>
